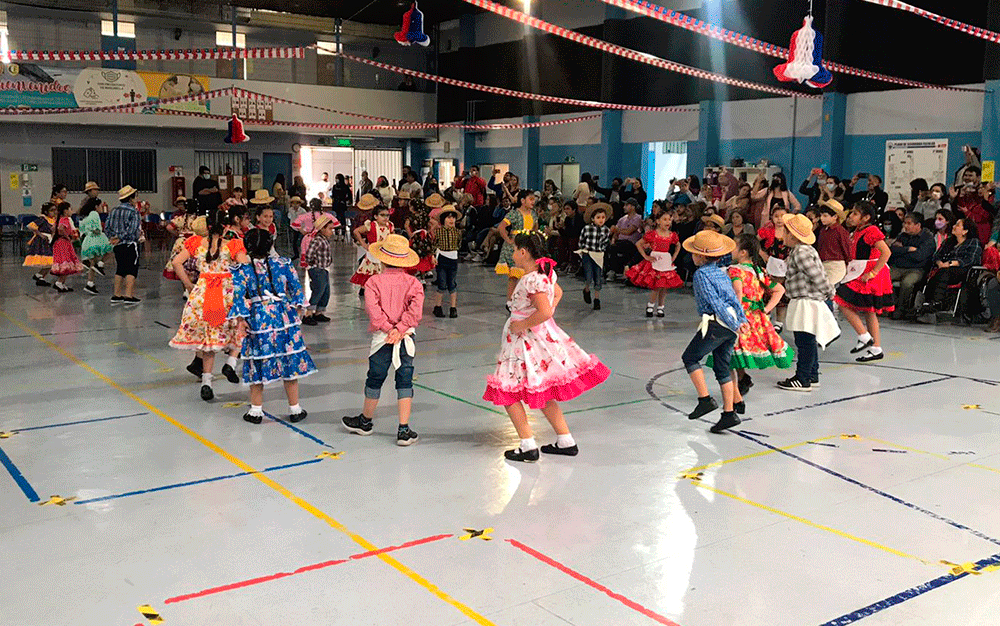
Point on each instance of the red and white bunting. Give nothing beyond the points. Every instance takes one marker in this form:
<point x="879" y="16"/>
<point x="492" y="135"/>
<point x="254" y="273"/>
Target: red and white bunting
<point x="205" y="54"/>
<point x="590" y="104"/>
<point x="975" y="31"/>
<point x="681" y="20"/>
<point x="628" y="53"/>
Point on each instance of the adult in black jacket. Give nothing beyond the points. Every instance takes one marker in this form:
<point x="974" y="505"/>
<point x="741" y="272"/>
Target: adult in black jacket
<point x="911" y="256"/>
<point x="873" y="193"/>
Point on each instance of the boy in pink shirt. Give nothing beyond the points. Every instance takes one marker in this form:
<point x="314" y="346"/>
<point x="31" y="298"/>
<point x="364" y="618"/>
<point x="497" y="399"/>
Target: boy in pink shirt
<point x="394" y="301"/>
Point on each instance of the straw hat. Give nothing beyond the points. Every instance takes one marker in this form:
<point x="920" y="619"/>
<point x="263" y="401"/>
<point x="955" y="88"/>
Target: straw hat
<point x="91" y="186"/>
<point x="801" y="227"/>
<point x="589" y="213"/>
<point x="403" y="195"/>
<point x="714" y="219"/>
<point x="126" y="191"/>
<point x="322" y="221"/>
<point x="446" y="211"/>
<point x="367" y="201"/>
<point x="261" y="197"/>
<point x="295" y="199"/>
<point x="837" y="207"/>
<point x="435" y="201"/>
<point x="394" y="250"/>
<point x="709" y="243"/>
<point x="180" y="199"/>
<point x="200" y="226"/>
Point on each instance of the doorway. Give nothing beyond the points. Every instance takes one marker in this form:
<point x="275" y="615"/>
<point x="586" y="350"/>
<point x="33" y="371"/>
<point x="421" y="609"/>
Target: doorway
<point x="275" y="163"/>
<point x="317" y="161"/>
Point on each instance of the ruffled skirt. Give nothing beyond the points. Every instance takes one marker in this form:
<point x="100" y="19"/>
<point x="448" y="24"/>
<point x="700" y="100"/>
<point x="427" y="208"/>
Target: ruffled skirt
<point x="643" y="275"/>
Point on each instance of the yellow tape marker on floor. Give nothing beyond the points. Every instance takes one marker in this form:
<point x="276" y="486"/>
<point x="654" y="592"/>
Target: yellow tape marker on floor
<point x="6" y="435"/>
<point x="483" y="534"/>
<point x="164" y="368"/>
<point x="57" y="500"/>
<point x="755" y="455"/>
<point x="329" y="455"/>
<point x="692" y="475"/>
<point x="803" y="520"/>
<point x="970" y="407"/>
<point x="150" y="613"/>
<point x="258" y="475"/>
<point x="964" y="568"/>
<point x="232" y="405"/>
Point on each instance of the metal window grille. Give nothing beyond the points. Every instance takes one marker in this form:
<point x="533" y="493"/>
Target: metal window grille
<point x="111" y="168"/>
<point x="219" y="161"/>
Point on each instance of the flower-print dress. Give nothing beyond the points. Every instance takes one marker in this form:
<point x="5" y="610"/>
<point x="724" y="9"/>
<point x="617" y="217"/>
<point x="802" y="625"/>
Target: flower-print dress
<point x="183" y="225"/>
<point x="519" y="223"/>
<point x="40" y="248"/>
<point x="266" y="294"/>
<point x="542" y="363"/>
<point x="759" y="347"/>
<point x="204" y="324"/>
<point x="95" y="243"/>
<point x="369" y="265"/>
<point x="64" y="259"/>
<point x="645" y="275"/>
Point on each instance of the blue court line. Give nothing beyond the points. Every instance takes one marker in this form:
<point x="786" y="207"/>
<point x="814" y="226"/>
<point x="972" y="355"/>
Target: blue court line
<point x="874" y="490"/>
<point x="298" y="430"/>
<point x="91" y="421"/>
<point x="860" y="395"/>
<point x="908" y="594"/>
<point x="195" y="482"/>
<point x="18" y="477"/>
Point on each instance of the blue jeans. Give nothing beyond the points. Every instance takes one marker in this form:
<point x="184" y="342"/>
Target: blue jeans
<point x="592" y="273"/>
<point x="319" y="282"/>
<point x="719" y="342"/>
<point x="447" y="275"/>
<point x="378" y="369"/>
<point x="807" y="367"/>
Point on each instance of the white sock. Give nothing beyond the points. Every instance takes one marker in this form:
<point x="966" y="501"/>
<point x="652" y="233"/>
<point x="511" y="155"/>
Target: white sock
<point x="875" y="350"/>
<point x="660" y="307"/>
<point x="231" y="362"/>
<point x="100" y="264"/>
<point x="294" y="409"/>
<point x="90" y="283"/>
<point x="59" y="283"/>
<point x="864" y="338"/>
<point x="528" y="444"/>
<point x="649" y="306"/>
<point x="206" y="379"/>
<point x="565" y="441"/>
<point x="257" y="410"/>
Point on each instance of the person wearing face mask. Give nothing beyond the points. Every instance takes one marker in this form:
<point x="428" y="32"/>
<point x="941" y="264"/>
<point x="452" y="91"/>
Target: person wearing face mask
<point x="940" y="226"/>
<point x="206" y="191"/>
<point x="929" y="202"/>
<point x="812" y="187"/>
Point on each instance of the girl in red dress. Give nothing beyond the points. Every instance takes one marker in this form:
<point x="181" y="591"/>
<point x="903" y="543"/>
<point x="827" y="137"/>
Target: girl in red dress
<point x="65" y="262"/>
<point x="657" y="272"/>
<point x="870" y="293"/>
<point x="368" y="233"/>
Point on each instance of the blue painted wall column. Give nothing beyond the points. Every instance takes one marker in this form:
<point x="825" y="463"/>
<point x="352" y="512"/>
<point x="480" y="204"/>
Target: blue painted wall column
<point x="705" y="151"/>
<point x="532" y="166"/>
<point x="467" y="39"/>
<point x="831" y="150"/>
<point x="990" y="144"/>
<point x="611" y="141"/>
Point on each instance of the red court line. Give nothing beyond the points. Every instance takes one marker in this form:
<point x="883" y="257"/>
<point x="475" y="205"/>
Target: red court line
<point x="635" y="606"/>
<point x="302" y="570"/>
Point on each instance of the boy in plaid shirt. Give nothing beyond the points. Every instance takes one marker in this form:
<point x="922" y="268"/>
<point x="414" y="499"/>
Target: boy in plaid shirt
<point x="447" y="240"/>
<point x="318" y="258"/>
<point x="593" y="242"/>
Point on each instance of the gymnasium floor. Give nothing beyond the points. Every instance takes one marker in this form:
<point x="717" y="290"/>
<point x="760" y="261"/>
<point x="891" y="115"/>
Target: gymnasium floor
<point x="873" y="499"/>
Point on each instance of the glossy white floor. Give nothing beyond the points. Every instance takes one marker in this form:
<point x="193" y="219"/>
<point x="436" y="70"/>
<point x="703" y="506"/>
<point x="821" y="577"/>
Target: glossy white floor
<point x="833" y="507"/>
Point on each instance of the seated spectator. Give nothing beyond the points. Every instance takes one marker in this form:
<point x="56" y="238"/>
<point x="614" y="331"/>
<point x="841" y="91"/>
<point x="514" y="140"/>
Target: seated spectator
<point x="740" y="201"/>
<point x="622" y="253"/>
<point x="911" y="257"/>
<point x="737" y="225"/>
<point x="891" y="225"/>
<point x="992" y="292"/>
<point x="940" y="227"/>
<point x="952" y="262"/>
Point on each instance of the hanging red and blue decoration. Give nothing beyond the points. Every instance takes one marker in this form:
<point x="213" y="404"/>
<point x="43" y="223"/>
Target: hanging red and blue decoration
<point x="412" y="31"/>
<point x="805" y="58"/>
<point x="236" y="134"/>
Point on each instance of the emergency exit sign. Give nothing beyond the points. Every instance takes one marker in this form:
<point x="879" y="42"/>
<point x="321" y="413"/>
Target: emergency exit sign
<point x="29" y="167"/>
<point x="344" y="143"/>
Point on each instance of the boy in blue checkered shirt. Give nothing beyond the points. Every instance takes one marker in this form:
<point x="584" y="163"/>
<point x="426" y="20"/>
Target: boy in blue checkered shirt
<point x="593" y="243"/>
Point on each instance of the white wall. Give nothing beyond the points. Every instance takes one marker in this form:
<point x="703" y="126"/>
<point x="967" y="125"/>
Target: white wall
<point x="576" y="134"/>
<point x="642" y="127"/>
<point x="909" y="111"/>
<point x="770" y="117"/>
<point x="501" y="138"/>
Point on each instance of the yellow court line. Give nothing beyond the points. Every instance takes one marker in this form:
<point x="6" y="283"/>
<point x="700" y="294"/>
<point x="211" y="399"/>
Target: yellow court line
<point x="754" y="455"/>
<point x="264" y="478"/>
<point x="803" y="520"/>
<point x="134" y="350"/>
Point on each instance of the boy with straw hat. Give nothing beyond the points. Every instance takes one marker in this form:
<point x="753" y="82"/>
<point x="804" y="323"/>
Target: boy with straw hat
<point x="394" y="301"/>
<point x="722" y="317"/>
<point x="809" y="317"/>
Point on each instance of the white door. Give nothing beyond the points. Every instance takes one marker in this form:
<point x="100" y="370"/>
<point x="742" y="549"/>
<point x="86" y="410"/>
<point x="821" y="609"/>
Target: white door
<point x="388" y="163"/>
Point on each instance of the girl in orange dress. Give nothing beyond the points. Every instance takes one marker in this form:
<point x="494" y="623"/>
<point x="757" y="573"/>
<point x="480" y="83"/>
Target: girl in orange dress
<point x="40" y="245"/>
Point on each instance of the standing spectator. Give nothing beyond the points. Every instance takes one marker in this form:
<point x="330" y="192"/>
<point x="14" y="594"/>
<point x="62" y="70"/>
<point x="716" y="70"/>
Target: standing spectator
<point x="632" y="189"/>
<point x="474" y="185"/>
<point x="340" y="194"/>
<point x="777" y="191"/>
<point x="124" y="230"/>
<point x="911" y="255"/>
<point x="873" y="194"/>
<point x="739" y="201"/>
<point x="612" y="194"/>
<point x="972" y="159"/>
<point x="384" y="191"/>
<point x="431" y="186"/>
<point x="584" y="191"/>
<point x="206" y="191"/>
<point x="280" y="192"/>
<point x="812" y="186"/>
<point x="366" y="185"/>
<point x="729" y="183"/>
<point x="299" y="188"/>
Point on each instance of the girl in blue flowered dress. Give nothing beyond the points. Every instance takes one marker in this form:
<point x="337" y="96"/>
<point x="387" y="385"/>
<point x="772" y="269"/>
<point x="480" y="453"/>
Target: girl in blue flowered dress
<point x="266" y="295"/>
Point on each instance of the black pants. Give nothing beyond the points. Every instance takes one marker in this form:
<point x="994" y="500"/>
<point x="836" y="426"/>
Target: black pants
<point x="620" y="254"/>
<point x="127" y="259"/>
<point x="937" y="285"/>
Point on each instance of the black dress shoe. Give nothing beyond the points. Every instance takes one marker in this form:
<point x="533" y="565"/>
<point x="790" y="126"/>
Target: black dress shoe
<point x="705" y="406"/>
<point x="319" y="317"/>
<point x="253" y="419"/>
<point x="453" y="313"/>
<point x="740" y="407"/>
<point x="551" y="448"/>
<point x="517" y="454"/>
<point x="729" y="419"/>
<point x="597" y="304"/>
<point x="206" y="393"/>
<point x="586" y="296"/>
<point x="297" y="417"/>
<point x="230" y="374"/>
<point x="745" y="384"/>
<point x="438" y="312"/>
<point x="196" y="367"/>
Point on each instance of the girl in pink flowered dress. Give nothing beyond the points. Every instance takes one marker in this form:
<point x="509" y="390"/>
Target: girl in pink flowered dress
<point x="539" y="365"/>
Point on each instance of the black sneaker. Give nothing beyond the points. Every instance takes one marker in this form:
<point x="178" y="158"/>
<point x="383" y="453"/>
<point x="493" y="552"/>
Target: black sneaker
<point x="794" y="384"/>
<point x="453" y="313"/>
<point x="438" y="312"/>
<point x="406" y="437"/>
<point x="551" y="448"/>
<point x="253" y="419"/>
<point x="99" y="269"/>
<point x="91" y="289"/>
<point x="518" y="455"/>
<point x="586" y="296"/>
<point x="597" y="304"/>
<point x="196" y="367"/>
<point x="729" y="419"/>
<point x="230" y="374"/>
<point x="361" y="292"/>
<point x="131" y="301"/>
<point x="705" y="406"/>
<point x="649" y="312"/>
<point x="319" y="317"/>
<point x="118" y="300"/>
<point x="740" y="407"/>
<point x="870" y="356"/>
<point x="309" y="321"/>
<point x="298" y="417"/>
<point x="862" y="345"/>
<point x="359" y="425"/>
<point x="745" y="384"/>
<point x="41" y="282"/>
<point x="206" y="393"/>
